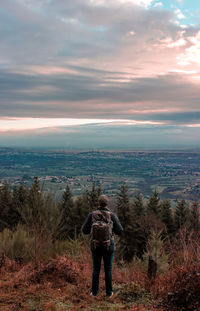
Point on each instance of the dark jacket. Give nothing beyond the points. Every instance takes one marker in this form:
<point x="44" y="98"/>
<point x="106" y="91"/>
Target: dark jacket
<point x="117" y="227"/>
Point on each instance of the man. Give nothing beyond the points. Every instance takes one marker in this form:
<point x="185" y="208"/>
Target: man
<point x="101" y="224"/>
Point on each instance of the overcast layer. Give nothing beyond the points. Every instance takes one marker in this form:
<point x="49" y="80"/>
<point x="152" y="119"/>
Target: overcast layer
<point x="135" y="63"/>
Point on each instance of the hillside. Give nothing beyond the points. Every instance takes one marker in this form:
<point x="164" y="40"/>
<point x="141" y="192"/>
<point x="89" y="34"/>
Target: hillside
<point x="63" y="283"/>
<point x="46" y="262"/>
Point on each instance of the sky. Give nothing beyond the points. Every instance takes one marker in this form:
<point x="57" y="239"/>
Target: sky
<point x="120" y="74"/>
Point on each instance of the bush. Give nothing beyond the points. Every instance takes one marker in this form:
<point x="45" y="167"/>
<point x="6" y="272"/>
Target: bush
<point x="155" y="248"/>
<point x="16" y="244"/>
<point x="20" y="243"/>
<point x="181" y="289"/>
<point x="57" y="271"/>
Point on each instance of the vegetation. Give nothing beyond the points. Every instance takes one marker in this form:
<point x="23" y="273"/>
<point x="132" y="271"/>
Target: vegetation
<point x="45" y="262"/>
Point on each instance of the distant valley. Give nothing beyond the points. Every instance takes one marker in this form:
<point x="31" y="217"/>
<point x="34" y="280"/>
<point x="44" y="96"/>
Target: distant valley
<point x="175" y="174"/>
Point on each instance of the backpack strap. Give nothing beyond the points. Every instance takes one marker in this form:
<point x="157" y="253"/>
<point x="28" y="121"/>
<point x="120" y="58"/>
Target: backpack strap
<point x="101" y="215"/>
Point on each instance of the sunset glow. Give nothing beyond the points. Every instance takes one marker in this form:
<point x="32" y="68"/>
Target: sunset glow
<point x="22" y="124"/>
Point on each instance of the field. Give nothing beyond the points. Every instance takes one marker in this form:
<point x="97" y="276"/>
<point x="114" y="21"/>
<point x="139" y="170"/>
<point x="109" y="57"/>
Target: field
<point x="175" y="174"/>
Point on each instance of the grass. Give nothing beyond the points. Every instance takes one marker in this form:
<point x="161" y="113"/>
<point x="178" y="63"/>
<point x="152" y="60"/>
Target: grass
<point x="64" y="284"/>
<point x="68" y="297"/>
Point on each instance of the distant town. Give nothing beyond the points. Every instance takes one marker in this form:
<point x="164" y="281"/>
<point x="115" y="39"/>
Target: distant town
<point x="175" y="174"/>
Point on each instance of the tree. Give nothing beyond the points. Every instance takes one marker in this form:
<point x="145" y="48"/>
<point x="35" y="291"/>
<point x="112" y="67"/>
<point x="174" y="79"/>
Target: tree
<point x="81" y="210"/>
<point x="20" y="199"/>
<point x="66" y="226"/>
<point x="166" y="216"/>
<point x="20" y="195"/>
<point x="153" y="206"/>
<point x="41" y="219"/>
<point x="147" y="224"/>
<point x="8" y="215"/>
<point x="195" y="216"/>
<point x="127" y="240"/>
<point x="181" y="214"/>
<point x="93" y="196"/>
<point x="138" y="206"/>
<point x="155" y="249"/>
<point x="35" y="199"/>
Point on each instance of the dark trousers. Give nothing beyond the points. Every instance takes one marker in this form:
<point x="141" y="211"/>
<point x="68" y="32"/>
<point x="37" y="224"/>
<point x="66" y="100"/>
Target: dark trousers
<point x="108" y="256"/>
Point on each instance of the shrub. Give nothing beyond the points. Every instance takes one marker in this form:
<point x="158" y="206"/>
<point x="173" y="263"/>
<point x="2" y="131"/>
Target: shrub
<point x="155" y="248"/>
<point x="20" y="243"/>
<point x="185" y="247"/>
<point x="16" y="244"/>
<point x="57" y="271"/>
<point x="180" y="289"/>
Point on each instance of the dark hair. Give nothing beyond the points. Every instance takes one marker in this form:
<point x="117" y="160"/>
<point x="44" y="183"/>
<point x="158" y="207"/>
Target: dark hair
<point x="103" y="200"/>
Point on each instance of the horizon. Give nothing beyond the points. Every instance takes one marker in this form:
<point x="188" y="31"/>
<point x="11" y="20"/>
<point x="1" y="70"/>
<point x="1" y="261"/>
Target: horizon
<point x="100" y="150"/>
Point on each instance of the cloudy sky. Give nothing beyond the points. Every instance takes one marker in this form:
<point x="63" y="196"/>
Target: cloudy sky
<point x="100" y="73"/>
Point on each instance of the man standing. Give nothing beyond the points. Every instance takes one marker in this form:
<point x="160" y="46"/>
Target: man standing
<point x="101" y="225"/>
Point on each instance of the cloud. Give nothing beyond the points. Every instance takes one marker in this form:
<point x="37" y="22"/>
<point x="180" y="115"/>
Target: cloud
<point x="30" y="124"/>
<point x="170" y="43"/>
<point x="191" y="54"/>
<point x="98" y="94"/>
<point x="59" y="32"/>
<point x="21" y="124"/>
<point x="105" y="137"/>
<point x="179" y="14"/>
<point x="158" y="4"/>
<point x="51" y="36"/>
<point x="98" y="60"/>
<point x="142" y="3"/>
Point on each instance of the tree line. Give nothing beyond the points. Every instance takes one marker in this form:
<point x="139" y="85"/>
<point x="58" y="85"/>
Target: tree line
<point x="46" y="219"/>
<point x="140" y="217"/>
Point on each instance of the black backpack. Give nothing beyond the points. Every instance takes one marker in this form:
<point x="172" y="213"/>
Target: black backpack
<point x="101" y="231"/>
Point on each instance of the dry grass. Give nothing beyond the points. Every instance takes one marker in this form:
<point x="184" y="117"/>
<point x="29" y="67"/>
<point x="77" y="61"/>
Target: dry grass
<point x="63" y="283"/>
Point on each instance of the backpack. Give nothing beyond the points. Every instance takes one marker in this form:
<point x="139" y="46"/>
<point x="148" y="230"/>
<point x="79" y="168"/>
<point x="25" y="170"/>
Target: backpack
<point x="101" y="231"/>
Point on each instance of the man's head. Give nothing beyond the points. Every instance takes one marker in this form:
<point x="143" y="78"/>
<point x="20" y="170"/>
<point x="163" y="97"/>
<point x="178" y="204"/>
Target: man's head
<point x="103" y="201"/>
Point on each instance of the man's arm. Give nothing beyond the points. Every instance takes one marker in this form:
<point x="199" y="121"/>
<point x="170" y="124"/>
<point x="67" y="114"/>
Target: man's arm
<point x="117" y="227"/>
<point x="86" y="228"/>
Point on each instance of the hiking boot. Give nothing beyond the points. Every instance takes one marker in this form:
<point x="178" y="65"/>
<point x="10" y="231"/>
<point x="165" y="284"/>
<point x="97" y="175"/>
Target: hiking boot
<point x="110" y="296"/>
<point x="91" y="294"/>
